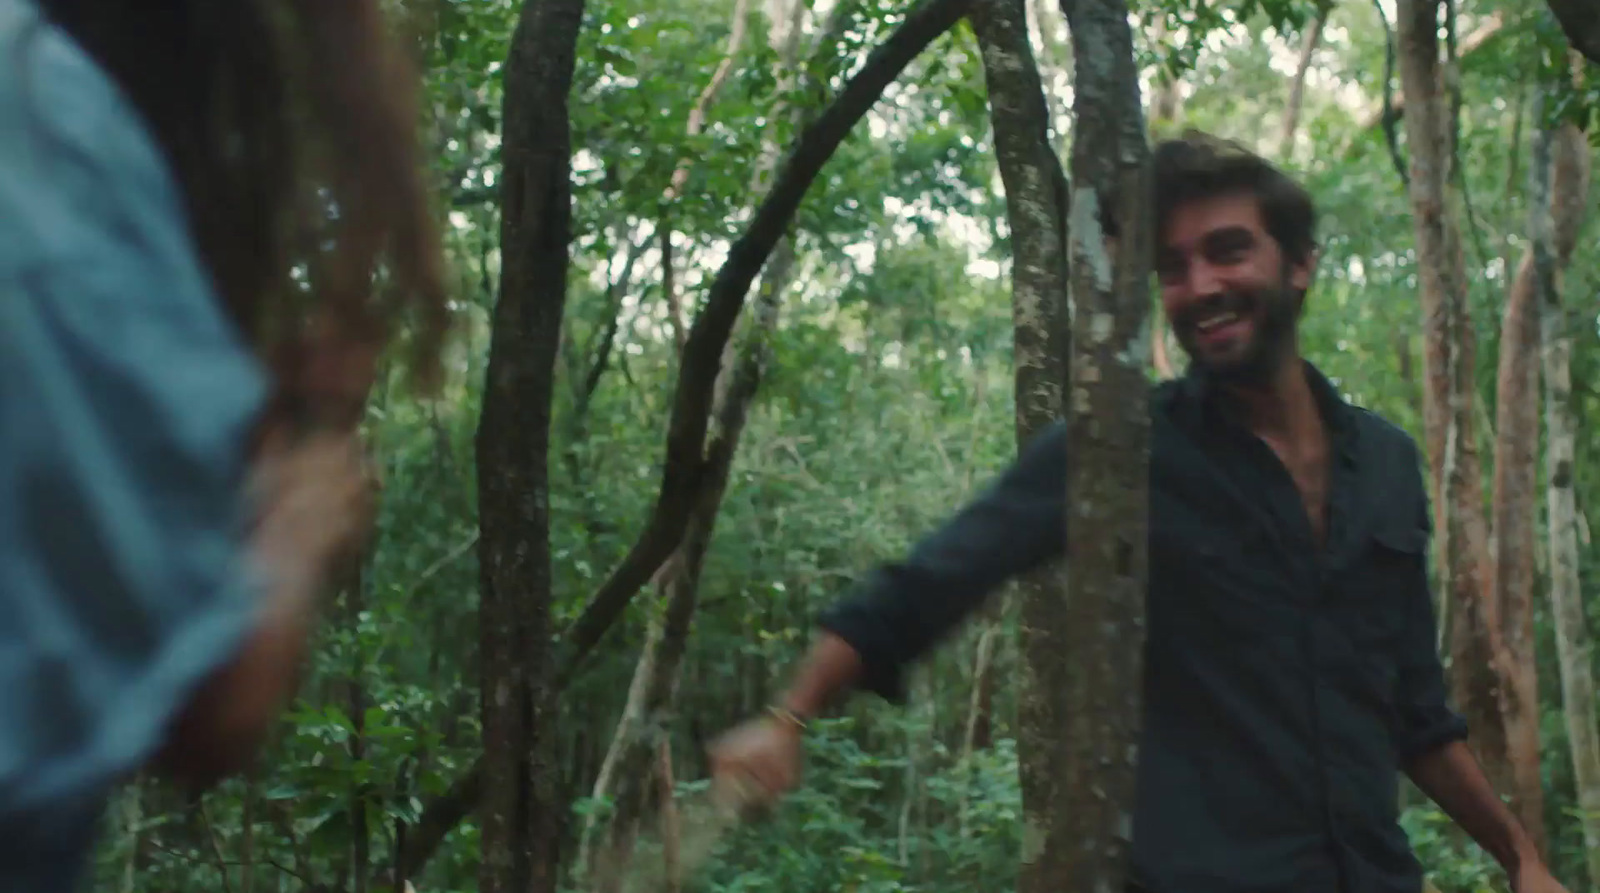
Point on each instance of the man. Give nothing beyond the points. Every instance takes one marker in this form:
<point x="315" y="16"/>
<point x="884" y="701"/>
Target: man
<point x="1290" y="664"/>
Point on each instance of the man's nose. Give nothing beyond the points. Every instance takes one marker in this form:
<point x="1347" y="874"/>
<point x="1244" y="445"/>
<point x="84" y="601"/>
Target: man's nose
<point x="1202" y="280"/>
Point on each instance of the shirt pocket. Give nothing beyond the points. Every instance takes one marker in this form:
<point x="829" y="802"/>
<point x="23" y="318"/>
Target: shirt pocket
<point x="1389" y="573"/>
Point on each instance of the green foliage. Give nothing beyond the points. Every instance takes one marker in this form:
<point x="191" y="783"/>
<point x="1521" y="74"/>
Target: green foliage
<point x="888" y="402"/>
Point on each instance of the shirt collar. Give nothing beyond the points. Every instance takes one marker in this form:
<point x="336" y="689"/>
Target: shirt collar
<point x="1207" y="402"/>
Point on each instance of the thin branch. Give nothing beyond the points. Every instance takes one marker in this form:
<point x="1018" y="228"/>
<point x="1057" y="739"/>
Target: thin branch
<point x="685" y="465"/>
<point x="443" y="562"/>
<point x="216" y="846"/>
<point x="1453" y="83"/>
<point x="1390" y="118"/>
<point x="193" y="859"/>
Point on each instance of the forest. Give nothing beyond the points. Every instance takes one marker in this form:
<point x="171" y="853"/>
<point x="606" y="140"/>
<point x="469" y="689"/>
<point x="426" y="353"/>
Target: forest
<point x="748" y="296"/>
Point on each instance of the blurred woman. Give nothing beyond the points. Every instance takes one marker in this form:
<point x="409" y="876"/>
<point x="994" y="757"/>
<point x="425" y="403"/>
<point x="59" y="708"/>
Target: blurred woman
<point x="197" y="198"/>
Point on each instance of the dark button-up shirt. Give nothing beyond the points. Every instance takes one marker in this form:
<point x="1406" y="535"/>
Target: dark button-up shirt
<point x="1286" y="683"/>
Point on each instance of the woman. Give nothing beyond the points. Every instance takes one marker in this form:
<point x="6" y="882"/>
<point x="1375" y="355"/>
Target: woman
<point x="195" y="197"/>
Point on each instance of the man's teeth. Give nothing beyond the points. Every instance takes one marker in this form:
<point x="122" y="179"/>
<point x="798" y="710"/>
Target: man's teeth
<point x="1209" y="323"/>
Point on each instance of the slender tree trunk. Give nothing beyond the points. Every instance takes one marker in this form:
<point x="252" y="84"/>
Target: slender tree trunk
<point x="1569" y="194"/>
<point x="1478" y="667"/>
<point x="1102" y="654"/>
<point x="1054" y="60"/>
<point x="520" y="823"/>
<point x="1036" y="208"/>
<point x="978" y="733"/>
<point x="133" y="824"/>
<point x="643" y="731"/>
<point x="1516" y="474"/>
<point x="683" y="474"/>
<point x="1165" y="108"/>
<point x="1297" y="87"/>
<point x="680" y="175"/>
<point x="356" y="709"/>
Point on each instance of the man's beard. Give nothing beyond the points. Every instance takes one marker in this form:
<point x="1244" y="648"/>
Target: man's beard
<point x="1273" y="312"/>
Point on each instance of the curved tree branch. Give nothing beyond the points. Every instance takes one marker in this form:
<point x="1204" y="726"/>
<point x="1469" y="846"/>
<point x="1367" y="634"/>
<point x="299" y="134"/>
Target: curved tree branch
<point x="685" y="465"/>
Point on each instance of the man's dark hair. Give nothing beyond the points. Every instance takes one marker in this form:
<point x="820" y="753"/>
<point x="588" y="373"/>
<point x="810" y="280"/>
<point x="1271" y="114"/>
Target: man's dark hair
<point x="272" y="113"/>
<point x="1199" y="166"/>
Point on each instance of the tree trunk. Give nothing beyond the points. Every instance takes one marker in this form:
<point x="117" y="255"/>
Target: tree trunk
<point x="978" y="733"/>
<point x="1102" y="654"/>
<point x="1165" y="107"/>
<point x="682" y="475"/>
<point x="1516" y="474"/>
<point x="644" y="729"/>
<point x="1297" y="87"/>
<point x="1569" y="193"/>
<point x="680" y="175"/>
<point x="520" y="818"/>
<point x="356" y="709"/>
<point x="1036" y="210"/>
<point x="1394" y="104"/>
<point x="1054" y="58"/>
<point x="1478" y="668"/>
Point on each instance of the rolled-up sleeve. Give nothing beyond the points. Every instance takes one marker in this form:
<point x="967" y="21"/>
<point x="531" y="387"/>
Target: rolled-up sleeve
<point x="905" y="607"/>
<point x="1426" y="721"/>
<point x="126" y="402"/>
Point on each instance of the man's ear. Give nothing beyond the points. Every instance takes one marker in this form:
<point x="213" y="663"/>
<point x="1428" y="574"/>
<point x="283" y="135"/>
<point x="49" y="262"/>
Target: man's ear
<point x="1300" y="272"/>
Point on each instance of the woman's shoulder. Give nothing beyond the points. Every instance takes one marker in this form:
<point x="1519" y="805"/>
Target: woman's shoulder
<point x="73" y="148"/>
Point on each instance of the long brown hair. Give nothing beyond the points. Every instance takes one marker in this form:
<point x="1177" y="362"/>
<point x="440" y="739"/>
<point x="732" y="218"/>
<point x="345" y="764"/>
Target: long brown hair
<point x="291" y="126"/>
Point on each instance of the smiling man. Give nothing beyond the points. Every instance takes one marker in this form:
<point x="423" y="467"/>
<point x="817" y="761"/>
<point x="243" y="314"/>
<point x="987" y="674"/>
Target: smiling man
<point x="1290" y="666"/>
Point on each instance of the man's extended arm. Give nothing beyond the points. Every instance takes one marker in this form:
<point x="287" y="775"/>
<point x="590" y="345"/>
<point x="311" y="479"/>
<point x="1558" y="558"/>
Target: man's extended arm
<point x="906" y="607"/>
<point x="1451" y="777"/>
<point x="1432" y="742"/>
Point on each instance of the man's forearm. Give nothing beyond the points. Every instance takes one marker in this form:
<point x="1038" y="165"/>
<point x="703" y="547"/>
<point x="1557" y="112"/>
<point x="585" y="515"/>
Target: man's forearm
<point x="1452" y="778"/>
<point x="827" y="671"/>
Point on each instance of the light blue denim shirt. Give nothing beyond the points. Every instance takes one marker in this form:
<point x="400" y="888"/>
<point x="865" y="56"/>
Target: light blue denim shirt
<point x="125" y="401"/>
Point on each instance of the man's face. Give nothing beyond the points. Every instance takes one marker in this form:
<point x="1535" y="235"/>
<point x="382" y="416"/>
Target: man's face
<point x="1231" y="296"/>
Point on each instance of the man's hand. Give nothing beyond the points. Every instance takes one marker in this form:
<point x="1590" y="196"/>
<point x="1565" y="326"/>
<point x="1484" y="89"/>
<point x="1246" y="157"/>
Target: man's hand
<point x="760" y="759"/>
<point x="1534" y="877"/>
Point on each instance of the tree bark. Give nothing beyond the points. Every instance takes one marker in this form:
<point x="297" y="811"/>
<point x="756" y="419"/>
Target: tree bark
<point x="1108" y="444"/>
<point x="1478" y="666"/>
<point x="1569" y="193"/>
<point x="1297" y="87"/>
<point x="1036" y="210"/>
<point x="520" y="817"/>
<point x="1165" y="108"/>
<point x="1037" y="197"/>
<point x="1516" y="474"/>
<point x="1582" y="26"/>
<point x="978" y="733"/>
<point x="683" y="475"/>
<point x="1476" y="40"/>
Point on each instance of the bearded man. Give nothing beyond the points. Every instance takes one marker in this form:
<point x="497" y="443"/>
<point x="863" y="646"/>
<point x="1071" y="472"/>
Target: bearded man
<point x="1290" y="669"/>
